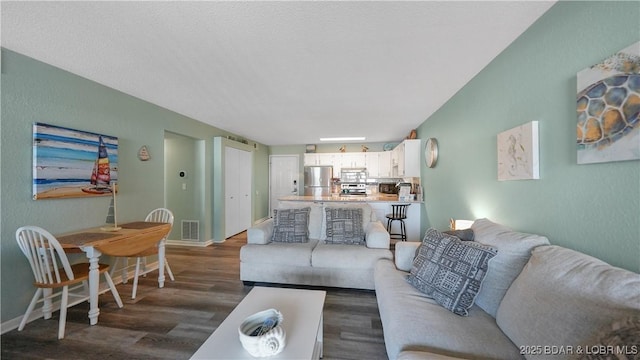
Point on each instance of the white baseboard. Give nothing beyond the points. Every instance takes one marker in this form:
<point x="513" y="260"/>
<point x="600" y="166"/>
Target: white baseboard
<point x="189" y="243"/>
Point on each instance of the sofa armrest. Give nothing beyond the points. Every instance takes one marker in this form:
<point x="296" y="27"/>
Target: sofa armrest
<point x="260" y="233"/>
<point x="377" y="236"/>
<point x="405" y="252"/>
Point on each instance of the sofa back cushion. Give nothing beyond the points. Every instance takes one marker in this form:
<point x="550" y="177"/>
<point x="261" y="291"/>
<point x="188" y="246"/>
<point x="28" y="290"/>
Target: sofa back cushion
<point x="514" y="250"/>
<point x="315" y="215"/>
<point x="563" y="298"/>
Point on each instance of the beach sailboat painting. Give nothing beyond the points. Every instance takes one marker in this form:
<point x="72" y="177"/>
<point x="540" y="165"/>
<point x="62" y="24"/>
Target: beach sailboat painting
<point x="72" y="163"/>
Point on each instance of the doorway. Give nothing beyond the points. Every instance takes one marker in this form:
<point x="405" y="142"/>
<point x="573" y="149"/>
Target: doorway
<point x="184" y="182"/>
<point x="284" y="178"/>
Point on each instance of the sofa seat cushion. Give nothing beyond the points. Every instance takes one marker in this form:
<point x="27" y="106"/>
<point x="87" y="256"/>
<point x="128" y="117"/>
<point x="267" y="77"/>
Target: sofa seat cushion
<point x="347" y="256"/>
<point x="414" y="322"/>
<point x="514" y="249"/>
<point x="568" y="297"/>
<point x="297" y="254"/>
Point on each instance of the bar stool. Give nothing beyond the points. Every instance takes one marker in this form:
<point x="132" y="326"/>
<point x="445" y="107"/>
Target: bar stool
<point x="398" y="213"/>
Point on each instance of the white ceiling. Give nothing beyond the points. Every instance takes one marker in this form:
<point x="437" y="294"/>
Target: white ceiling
<point x="276" y="72"/>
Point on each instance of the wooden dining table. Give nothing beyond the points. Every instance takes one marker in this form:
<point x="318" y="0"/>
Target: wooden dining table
<point x="131" y="239"/>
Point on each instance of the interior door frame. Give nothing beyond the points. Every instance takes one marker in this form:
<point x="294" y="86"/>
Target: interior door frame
<point x="297" y="157"/>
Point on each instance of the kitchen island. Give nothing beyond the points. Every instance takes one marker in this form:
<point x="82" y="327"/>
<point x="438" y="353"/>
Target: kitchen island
<point x="381" y="204"/>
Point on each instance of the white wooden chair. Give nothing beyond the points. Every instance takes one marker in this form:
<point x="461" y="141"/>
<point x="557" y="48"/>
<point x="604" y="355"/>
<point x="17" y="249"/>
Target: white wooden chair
<point x="158" y="215"/>
<point x="51" y="270"/>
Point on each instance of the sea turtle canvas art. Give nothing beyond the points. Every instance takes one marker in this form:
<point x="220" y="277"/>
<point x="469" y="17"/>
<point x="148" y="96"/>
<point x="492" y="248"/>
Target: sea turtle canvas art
<point x="608" y="106"/>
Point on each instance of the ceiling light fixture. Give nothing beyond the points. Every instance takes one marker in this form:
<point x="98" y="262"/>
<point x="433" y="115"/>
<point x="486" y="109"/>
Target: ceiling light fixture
<point x="346" y="138"/>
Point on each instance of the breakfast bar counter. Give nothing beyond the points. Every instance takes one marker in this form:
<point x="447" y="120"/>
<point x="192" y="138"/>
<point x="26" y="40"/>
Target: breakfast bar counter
<point x="348" y="198"/>
<point x="381" y="204"/>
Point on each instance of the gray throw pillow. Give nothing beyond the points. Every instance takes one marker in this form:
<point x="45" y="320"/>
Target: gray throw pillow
<point x="344" y="226"/>
<point x="291" y="225"/>
<point x="450" y="270"/>
<point x="464" y="234"/>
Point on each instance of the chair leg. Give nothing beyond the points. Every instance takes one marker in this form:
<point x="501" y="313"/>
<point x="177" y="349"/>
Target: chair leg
<point x="114" y="291"/>
<point x="85" y="284"/>
<point x="32" y="305"/>
<point x="144" y="266"/>
<point x="114" y="267"/>
<point x="166" y="266"/>
<point x="135" y="279"/>
<point x="125" y="272"/>
<point x="403" y="230"/>
<point x="63" y="311"/>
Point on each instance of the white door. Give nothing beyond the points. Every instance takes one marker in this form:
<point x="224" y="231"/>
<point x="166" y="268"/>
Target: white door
<point x="284" y="178"/>
<point x="237" y="188"/>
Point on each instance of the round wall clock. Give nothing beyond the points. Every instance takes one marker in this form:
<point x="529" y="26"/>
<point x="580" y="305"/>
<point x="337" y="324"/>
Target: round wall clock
<point x="431" y="152"/>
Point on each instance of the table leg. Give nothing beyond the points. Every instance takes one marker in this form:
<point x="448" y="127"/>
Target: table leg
<point x="161" y="263"/>
<point x="94" y="283"/>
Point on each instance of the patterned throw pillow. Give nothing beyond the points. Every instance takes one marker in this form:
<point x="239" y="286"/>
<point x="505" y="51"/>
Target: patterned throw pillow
<point x="291" y="225"/>
<point x="344" y="226"/>
<point x="450" y="270"/>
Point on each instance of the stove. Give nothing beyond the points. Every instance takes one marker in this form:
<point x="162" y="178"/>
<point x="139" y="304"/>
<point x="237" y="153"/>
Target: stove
<point x="356" y="189"/>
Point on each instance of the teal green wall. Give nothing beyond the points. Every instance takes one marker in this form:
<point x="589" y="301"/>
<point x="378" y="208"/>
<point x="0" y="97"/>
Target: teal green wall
<point x="36" y="92"/>
<point x="183" y="195"/>
<point x="592" y="208"/>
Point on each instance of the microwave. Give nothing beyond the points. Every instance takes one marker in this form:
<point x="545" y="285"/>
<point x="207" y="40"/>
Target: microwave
<point x="387" y="188"/>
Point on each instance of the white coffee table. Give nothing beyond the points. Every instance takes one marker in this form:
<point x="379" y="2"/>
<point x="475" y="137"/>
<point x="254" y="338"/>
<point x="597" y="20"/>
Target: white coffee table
<point x="302" y="313"/>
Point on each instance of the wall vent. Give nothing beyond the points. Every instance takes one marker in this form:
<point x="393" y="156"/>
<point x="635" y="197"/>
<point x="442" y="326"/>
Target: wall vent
<point x="190" y="230"/>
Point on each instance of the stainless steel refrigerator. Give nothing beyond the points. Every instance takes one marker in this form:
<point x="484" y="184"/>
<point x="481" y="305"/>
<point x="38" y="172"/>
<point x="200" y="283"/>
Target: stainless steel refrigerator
<point x="317" y="180"/>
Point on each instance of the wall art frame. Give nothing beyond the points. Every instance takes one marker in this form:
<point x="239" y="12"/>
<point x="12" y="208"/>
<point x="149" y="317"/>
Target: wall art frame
<point x="518" y="153"/>
<point x="69" y="163"/>
<point x="608" y="109"/>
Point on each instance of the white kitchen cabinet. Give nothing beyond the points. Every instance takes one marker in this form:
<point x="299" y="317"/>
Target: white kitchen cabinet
<point x="310" y="159"/>
<point x="319" y="159"/>
<point x="372" y="164"/>
<point x="379" y="164"/>
<point x="353" y="160"/>
<point x="406" y="159"/>
<point x="384" y="164"/>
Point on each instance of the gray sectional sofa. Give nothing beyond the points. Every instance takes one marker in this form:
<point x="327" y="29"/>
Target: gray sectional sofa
<point x="315" y="262"/>
<point x="537" y="301"/>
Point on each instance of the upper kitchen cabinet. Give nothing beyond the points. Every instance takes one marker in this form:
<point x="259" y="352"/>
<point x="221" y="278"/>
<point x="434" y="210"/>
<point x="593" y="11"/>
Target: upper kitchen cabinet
<point x="405" y="159"/>
<point x="353" y="160"/>
<point x="379" y="164"/>
<point x="319" y="159"/>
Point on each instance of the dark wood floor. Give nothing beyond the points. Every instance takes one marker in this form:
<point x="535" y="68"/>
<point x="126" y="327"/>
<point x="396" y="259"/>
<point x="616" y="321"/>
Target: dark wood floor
<point x="172" y="323"/>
